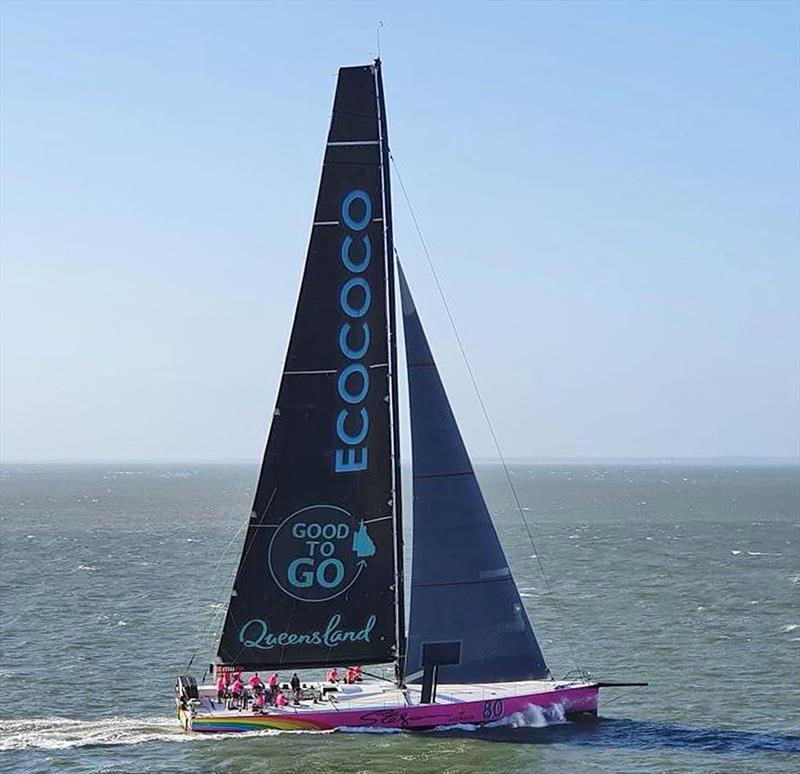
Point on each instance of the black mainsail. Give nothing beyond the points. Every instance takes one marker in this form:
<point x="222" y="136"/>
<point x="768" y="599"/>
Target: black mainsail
<point x="320" y="575"/>
<point x="467" y="619"/>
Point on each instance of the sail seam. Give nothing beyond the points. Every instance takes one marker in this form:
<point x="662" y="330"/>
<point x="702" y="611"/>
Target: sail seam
<point x="351" y="113"/>
<point x="336" y="222"/>
<point x="442" y="475"/>
<point x="379" y="518"/>
<point x="329" y="370"/>
<point x="330" y="163"/>
<point x="353" y="142"/>
<point x="300" y="373"/>
<point x="462" y="583"/>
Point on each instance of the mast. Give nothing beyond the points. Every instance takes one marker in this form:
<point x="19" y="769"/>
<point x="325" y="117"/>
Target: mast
<point x="394" y="398"/>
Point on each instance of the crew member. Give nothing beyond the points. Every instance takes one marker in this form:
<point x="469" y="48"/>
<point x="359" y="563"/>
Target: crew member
<point x="236" y="691"/>
<point x="332" y="676"/>
<point x="255" y="683"/>
<point x="220" y="685"/>
<point x="280" y="699"/>
<point x="295" y="683"/>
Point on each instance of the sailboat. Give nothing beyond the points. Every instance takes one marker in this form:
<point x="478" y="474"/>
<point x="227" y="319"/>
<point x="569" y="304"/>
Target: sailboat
<point x="320" y="582"/>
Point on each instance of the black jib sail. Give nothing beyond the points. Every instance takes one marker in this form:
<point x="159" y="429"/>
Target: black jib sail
<point x="467" y="618"/>
<point x="319" y="572"/>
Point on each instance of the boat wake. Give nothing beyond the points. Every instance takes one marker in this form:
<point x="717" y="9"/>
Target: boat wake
<point x="55" y="733"/>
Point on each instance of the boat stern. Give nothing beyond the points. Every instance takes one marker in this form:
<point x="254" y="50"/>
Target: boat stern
<point x="187" y="700"/>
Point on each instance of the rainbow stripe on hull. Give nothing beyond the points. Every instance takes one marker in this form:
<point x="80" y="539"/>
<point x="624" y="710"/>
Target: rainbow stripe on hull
<point x="208" y="725"/>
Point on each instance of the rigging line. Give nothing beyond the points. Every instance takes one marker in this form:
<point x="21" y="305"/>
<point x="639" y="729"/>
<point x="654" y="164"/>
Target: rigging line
<point x="472" y="378"/>
<point x="216" y="613"/>
<point x="214" y="616"/>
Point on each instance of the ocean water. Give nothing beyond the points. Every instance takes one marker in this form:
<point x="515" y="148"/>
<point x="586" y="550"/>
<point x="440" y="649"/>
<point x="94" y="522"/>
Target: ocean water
<point x="686" y="576"/>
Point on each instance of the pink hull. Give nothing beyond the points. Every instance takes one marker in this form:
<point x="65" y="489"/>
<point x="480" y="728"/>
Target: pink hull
<point x="581" y="699"/>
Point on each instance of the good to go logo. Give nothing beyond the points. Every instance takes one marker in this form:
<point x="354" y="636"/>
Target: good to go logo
<point x="316" y="554"/>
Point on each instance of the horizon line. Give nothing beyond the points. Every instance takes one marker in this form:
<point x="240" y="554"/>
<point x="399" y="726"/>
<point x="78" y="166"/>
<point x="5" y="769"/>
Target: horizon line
<point x="620" y="460"/>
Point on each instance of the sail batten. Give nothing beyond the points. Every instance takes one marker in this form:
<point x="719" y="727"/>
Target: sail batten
<point x="464" y="601"/>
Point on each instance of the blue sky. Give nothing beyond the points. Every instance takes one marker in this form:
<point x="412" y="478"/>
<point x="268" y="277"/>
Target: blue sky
<point x="610" y="192"/>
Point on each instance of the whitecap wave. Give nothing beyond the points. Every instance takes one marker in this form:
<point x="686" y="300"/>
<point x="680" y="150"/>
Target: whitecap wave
<point x="533" y="717"/>
<point x="458" y="727"/>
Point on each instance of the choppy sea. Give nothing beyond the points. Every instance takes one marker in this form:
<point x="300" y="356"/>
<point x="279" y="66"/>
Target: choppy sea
<point x="687" y="576"/>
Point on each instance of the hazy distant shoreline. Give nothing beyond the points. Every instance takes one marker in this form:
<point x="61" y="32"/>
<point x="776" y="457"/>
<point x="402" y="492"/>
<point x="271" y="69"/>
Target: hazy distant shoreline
<point x="511" y="461"/>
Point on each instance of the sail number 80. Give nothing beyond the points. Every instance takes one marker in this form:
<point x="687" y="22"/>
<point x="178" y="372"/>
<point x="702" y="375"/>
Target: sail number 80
<point x="492" y="709"/>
